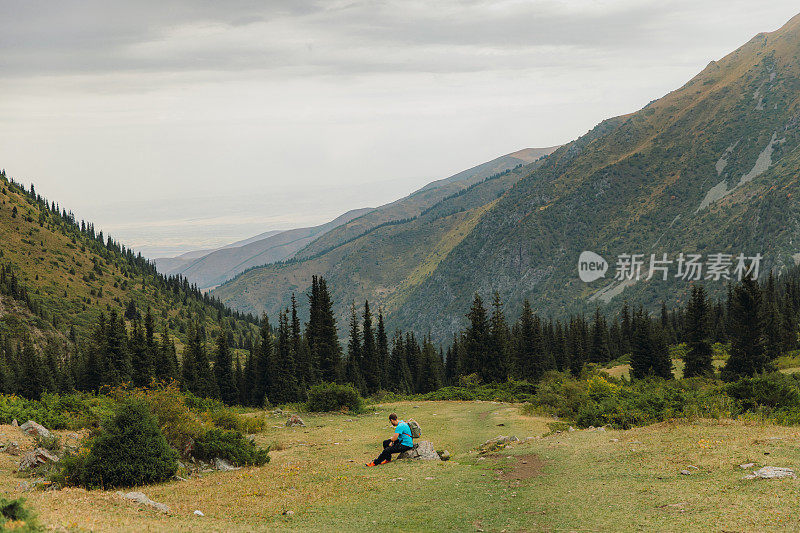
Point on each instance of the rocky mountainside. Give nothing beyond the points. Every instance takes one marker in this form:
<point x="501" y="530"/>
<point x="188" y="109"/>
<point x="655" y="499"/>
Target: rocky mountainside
<point x="710" y="168"/>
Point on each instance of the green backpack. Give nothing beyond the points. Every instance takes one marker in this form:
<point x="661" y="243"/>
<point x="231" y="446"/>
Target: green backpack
<point x="416" y="431"/>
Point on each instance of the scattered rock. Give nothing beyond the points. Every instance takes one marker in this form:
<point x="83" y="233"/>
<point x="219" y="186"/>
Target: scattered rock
<point x="571" y="428"/>
<point x="288" y="513"/>
<point x="295" y="421"/>
<point x="15" y="423"/>
<point x="686" y="473"/>
<point x="771" y="472"/>
<point x="11" y="448"/>
<point x="141" y="498"/>
<point x="33" y="429"/>
<point x="223" y="465"/>
<point x="497" y="443"/>
<point x="429" y="478"/>
<point x="423" y="450"/>
<point x="37" y="457"/>
<point x="745" y="466"/>
<point x="444" y="455"/>
<point x="614" y="440"/>
<point x="277" y="412"/>
<point x="199" y="513"/>
<point x="693" y="467"/>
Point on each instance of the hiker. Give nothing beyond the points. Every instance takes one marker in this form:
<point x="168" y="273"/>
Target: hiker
<point x="400" y="442"/>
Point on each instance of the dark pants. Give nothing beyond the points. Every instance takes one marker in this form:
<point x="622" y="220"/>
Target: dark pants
<point x="389" y="448"/>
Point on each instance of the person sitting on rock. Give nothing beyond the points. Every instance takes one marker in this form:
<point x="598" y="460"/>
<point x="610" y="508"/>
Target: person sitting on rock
<point x="400" y="442"/>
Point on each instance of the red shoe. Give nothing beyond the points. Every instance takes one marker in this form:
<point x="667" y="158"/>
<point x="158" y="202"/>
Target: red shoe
<point x="386" y="461"/>
<point x="371" y="463"/>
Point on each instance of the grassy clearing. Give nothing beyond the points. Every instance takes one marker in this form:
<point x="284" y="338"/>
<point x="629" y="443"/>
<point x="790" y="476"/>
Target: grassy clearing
<point x="575" y="480"/>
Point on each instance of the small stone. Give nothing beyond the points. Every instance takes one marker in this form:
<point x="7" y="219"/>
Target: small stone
<point x="199" y="513"/>
<point x="614" y="440"/>
<point x="693" y="467"/>
<point x="429" y="478"/>
<point x="745" y="466"/>
<point x="295" y="421"/>
<point x="15" y="423"/>
<point x="444" y="455"/>
<point x="223" y="465"/>
<point x="686" y="473"/>
<point x="288" y="513"/>
<point x="37" y="457"/>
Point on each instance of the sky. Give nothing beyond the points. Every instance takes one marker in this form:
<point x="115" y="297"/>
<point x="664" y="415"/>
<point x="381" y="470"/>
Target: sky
<point x="183" y="125"/>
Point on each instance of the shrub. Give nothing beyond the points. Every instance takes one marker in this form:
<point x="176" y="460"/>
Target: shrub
<point x="226" y="418"/>
<point x="129" y="451"/>
<point x="14" y="516"/>
<point x="334" y="397"/>
<point x="229" y="445"/>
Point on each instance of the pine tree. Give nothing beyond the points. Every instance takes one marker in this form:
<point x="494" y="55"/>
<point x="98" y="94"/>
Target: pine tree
<point x="650" y="353"/>
<point x="699" y="355"/>
<point x="140" y="357"/>
<point x="476" y="342"/>
<point x="496" y="359"/>
<point x="369" y="355"/>
<point x="34" y="374"/>
<point x="431" y="375"/>
<point x="382" y="347"/>
<point x="223" y="370"/>
<point x="399" y="372"/>
<point x="300" y="349"/>
<point x="598" y="350"/>
<point x="748" y="356"/>
<point x="262" y="380"/>
<point x="284" y="386"/>
<point x="528" y="352"/>
<point x="117" y="366"/>
<point x="353" y="372"/>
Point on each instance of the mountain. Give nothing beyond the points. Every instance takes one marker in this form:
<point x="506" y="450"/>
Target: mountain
<point x="210" y="269"/>
<point x="385" y="253"/>
<point x="712" y="167"/>
<point x="57" y="275"/>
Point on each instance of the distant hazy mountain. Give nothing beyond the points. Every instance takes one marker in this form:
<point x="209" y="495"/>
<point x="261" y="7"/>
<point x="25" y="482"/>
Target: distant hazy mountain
<point x="385" y="253"/>
<point x="210" y="268"/>
<point x="712" y="167"/>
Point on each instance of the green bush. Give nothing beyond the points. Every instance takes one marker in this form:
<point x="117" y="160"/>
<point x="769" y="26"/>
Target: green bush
<point x="130" y="450"/>
<point x="334" y="397"/>
<point x="70" y="411"/>
<point x="226" y="418"/>
<point x="14" y="516"/>
<point x="229" y="445"/>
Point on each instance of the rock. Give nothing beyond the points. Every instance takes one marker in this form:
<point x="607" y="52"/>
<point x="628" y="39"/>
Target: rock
<point x="423" y="450"/>
<point x="614" y="440"/>
<point x="223" y="465"/>
<point x="11" y="448"/>
<point x="444" y="455"/>
<point x="745" y="466"/>
<point x="497" y="443"/>
<point x="199" y="513"/>
<point x="771" y="472"/>
<point x="15" y="423"/>
<point x="295" y="421"/>
<point x="571" y="428"/>
<point x="601" y="428"/>
<point x="140" y="497"/>
<point x="686" y="473"/>
<point x="37" y="457"/>
<point x="33" y="429"/>
<point x="288" y="513"/>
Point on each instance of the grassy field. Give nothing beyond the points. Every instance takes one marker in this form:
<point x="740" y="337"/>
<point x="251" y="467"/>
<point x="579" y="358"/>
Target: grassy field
<point x="589" y="480"/>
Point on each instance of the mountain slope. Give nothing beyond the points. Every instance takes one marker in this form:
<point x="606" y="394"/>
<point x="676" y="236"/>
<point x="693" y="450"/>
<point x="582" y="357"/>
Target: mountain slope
<point x="218" y="266"/>
<point x="57" y="276"/>
<point x="711" y="167"/>
<point x="413" y="204"/>
<point x="388" y="259"/>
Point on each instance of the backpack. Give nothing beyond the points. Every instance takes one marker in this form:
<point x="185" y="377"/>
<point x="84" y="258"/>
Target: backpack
<point x="416" y="431"/>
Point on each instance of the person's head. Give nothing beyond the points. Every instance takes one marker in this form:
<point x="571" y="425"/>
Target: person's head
<point x="393" y="419"/>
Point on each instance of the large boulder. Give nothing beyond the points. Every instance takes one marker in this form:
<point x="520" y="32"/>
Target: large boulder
<point x="37" y="457"/>
<point x="141" y="497"/>
<point x="771" y="472"/>
<point x="423" y="450"/>
<point x="33" y="429"/>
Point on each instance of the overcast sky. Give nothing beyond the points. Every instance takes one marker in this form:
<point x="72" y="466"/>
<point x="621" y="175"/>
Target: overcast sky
<point x="178" y="125"/>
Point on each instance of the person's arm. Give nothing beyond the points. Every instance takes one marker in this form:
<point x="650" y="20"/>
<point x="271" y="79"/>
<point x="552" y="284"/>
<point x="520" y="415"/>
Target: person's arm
<point x="395" y="437"/>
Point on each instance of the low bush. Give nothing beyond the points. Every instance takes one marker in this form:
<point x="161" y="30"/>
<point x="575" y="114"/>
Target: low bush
<point x="334" y="397"/>
<point x="54" y="411"/>
<point x="15" y="516"/>
<point x="226" y="418"/>
<point x="470" y="390"/>
<point x="231" y="446"/>
<point x="130" y="450"/>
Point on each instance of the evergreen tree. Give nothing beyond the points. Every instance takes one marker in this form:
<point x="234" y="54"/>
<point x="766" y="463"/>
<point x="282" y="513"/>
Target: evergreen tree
<point x="476" y="342"/>
<point x="399" y="372"/>
<point x="698" y="357"/>
<point x="284" y="387"/>
<point x="369" y="356"/>
<point x="116" y="366"/>
<point x="431" y="374"/>
<point x="223" y="370"/>
<point x="496" y="359"/>
<point x="140" y="356"/>
<point x="382" y="347"/>
<point x="34" y="375"/>
<point x="353" y="373"/>
<point x="748" y="356"/>
<point x="650" y="353"/>
<point x="598" y="350"/>
<point x="262" y="379"/>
